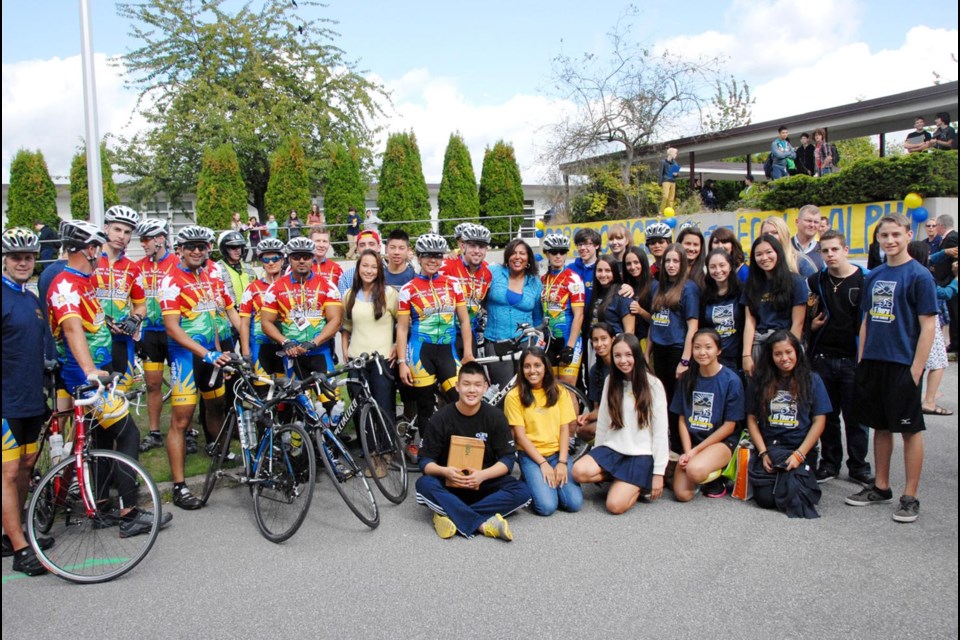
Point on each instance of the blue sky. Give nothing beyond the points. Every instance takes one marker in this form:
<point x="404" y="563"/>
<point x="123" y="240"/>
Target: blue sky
<point x="484" y="68"/>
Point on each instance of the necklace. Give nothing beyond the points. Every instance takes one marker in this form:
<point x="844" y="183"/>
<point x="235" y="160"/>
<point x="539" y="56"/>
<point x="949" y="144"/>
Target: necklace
<point x="836" y="284"/>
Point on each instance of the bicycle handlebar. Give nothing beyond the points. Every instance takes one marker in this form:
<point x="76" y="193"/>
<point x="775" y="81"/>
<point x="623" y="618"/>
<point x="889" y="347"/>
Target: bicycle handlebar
<point x="98" y="384"/>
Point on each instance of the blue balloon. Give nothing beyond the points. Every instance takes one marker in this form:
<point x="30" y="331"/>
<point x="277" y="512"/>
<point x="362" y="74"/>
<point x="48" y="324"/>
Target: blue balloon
<point x="540" y="233"/>
<point x="920" y="214"/>
<point x="670" y="222"/>
<point x="539" y="257"/>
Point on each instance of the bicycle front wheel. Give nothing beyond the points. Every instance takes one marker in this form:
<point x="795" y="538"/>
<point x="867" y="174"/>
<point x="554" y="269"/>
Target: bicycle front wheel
<point x="348" y="478"/>
<point x="383" y="453"/>
<point x="283" y="481"/>
<point x="91" y="543"/>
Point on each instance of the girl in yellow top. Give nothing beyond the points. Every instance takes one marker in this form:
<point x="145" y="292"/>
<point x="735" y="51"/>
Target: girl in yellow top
<point x="541" y="414"/>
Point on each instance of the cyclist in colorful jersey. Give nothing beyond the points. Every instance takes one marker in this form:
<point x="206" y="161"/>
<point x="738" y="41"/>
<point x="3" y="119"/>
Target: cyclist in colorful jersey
<point x="156" y="263"/>
<point x="265" y="361"/>
<point x="471" y="271"/>
<point x="188" y="301"/>
<point x="562" y="309"/>
<point x="302" y="312"/>
<point x="329" y="269"/>
<point x="236" y="274"/>
<point x="86" y="346"/>
<point x="427" y="312"/>
<point x="24" y="406"/>
<point x="116" y="279"/>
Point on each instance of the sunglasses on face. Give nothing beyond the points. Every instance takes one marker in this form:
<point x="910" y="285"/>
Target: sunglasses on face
<point x="301" y="256"/>
<point x="270" y="259"/>
<point x="196" y="246"/>
<point x="431" y="256"/>
<point x="557" y="252"/>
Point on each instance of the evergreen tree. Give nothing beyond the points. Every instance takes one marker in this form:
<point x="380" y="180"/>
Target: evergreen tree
<point x="31" y="196"/>
<point x="458" y="197"/>
<point x="402" y="191"/>
<point x="345" y="188"/>
<point x="220" y="188"/>
<point x="80" y="193"/>
<point x="501" y="192"/>
<point x="289" y="185"/>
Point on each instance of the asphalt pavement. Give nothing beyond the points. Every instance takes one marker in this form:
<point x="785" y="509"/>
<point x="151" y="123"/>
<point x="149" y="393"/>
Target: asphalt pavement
<point x="707" y="569"/>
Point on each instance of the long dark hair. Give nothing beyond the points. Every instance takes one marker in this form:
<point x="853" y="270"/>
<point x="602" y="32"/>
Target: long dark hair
<point x="695" y="269"/>
<point x="639" y="384"/>
<point x="641" y="285"/>
<point x="689" y="378"/>
<point x="549" y="384"/>
<point x="780" y="283"/>
<point x="603" y="295"/>
<point x="670" y="293"/>
<point x="378" y="293"/>
<point x="769" y="378"/>
<point x="919" y="251"/>
<point x="726" y="234"/>
<point x="511" y="249"/>
<point x="711" y="291"/>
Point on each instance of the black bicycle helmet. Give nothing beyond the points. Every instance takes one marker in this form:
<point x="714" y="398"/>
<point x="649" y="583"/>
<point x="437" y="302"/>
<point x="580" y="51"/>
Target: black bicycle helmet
<point x="80" y="234"/>
<point x="19" y="240"/>
<point x="431" y="243"/>
<point x="233" y="239"/>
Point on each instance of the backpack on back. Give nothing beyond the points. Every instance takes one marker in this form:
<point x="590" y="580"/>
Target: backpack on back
<point x="768" y="166"/>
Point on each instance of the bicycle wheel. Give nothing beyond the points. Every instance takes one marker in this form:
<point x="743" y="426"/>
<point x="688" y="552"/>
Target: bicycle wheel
<point x="45" y="515"/>
<point x="283" y="482"/>
<point x="221" y="449"/>
<point x="90" y="547"/>
<point x="383" y="453"/>
<point x="578" y="446"/>
<point x="348" y="478"/>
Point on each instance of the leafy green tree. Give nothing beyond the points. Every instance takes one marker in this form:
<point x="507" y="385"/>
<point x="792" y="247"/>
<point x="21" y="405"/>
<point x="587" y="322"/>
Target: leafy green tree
<point x="216" y="72"/>
<point x="345" y="187"/>
<point x="80" y="194"/>
<point x="458" y="196"/>
<point x="289" y="185"/>
<point x="220" y="188"/>
<point x="501" y="192"/>
<point x="854" y="150"/>
<point x="31" y="195"/>
<point x="402" y="190"/>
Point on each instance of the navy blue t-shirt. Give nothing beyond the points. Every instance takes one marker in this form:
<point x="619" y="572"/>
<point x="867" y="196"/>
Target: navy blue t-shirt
<point x="893" y="299"/>
<point x="397" y="280"/>
<point x="715" y="400"/>
<point x="24" y="328"/>
<point x="783" y="421"/>
<point x="614" y="313"/>
<point x="668" y="327"/>
<point x="595" y="380"/>
<point x="725" y="316"/>
<point x="767" y="316"/>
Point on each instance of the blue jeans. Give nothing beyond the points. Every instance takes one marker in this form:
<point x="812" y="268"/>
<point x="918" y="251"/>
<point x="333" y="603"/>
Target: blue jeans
<point x="546" y="500"/>
<point x="381" y="388"/>
<point x="469" y="509"/>
<point x="779" y="171"/>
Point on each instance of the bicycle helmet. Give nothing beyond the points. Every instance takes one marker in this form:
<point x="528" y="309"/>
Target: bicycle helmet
<point x="476" y="233"/>
<point x="19" y="240"/>
<point x="687" y="225"/>
<point x="152" y="227"/>
<point x="271" y="245"/>
<point x="194" y="233"/>
<point x="658" y="231"/>
<point x="122" y="214"/>
<point x="80" y="234"/>
<point x="556" y="241"/>
<point x="458" y="230"/>
<point x="299" y="245"/>
<point x="231" y="239"/>
<point x="431" y="243"/>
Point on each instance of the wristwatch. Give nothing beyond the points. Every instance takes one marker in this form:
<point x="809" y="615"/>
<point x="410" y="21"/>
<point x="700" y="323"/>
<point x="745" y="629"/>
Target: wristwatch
<point x="684" y="362"/>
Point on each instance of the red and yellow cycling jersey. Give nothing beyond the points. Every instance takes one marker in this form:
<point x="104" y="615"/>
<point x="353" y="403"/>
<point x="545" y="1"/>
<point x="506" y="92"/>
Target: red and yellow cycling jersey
<point x="151" y="274"/>
<point x="432" y="306"/>
<point x="117" y="285"/>
<point x="301" y="307"/>
<point x="474" y="285"/>
<point x="73" y="295"/>
<point x="195" y="296"/>
<point x="330" y="270"/>
<point x="250" y="304"/>
<point x="562" y="291"/>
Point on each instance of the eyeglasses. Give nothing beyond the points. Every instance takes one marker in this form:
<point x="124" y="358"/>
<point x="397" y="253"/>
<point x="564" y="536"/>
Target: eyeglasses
<point x="270" y="260"/>
<point x="196" y="246"/>
<point x="301" y="256"/>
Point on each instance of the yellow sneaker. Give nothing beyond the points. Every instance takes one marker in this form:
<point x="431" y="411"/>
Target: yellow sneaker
<point x="444" y="526"/>
<point x="497" y="526"/>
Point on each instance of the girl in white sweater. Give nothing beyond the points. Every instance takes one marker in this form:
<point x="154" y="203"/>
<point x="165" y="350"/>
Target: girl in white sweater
<point x="631" y="445"/>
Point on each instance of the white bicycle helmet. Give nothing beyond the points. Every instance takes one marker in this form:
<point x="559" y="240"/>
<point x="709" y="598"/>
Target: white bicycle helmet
<point x="271" y="245"/>
<point x="431" y="243"/>
<point x="122" y="214"/>
<point x="556" y="242"/>
<point x="80" y="234"/>
<point x="658" y="231"/>
<point x="18" y="240"/>
<point x="299" y="245"/>
<point x="194" y="233"/>
<point x="152" y="227"/>
<point x="458" y="230"/>
<point x="476" y="233"/>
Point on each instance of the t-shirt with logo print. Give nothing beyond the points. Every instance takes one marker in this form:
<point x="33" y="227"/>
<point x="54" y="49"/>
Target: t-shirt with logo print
<point x="668" y="327"/>
<point x="784" y="421"/>
<point x="712" y="401"/>
<point x="893" y="300"/>
<point x="725" y="316"/>
<point x="768" y="317"/>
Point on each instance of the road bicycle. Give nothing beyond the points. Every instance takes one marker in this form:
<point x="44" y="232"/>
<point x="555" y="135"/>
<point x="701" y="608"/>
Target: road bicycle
<point x="279" y="465"/>
<point x="78" y="502"/>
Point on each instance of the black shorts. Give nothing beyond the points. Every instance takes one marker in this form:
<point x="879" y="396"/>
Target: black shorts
<point x="20" y="437"/>
<point x="887" y="397"/>
<point x="154" y="349"/>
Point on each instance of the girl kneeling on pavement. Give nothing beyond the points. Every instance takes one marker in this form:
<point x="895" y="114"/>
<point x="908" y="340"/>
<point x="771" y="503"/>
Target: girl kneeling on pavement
<point x="631" y="445"/>
<point x="787" y="406"/>
<point x="541" y="414"/>
<point x="709" y="403"/>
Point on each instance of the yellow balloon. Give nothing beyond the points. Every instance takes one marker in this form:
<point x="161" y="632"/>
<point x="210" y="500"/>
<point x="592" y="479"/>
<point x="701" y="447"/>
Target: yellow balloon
<point x="669" y="212"/>
<point x="913" y="200"/>
<point x="540" y="225"/>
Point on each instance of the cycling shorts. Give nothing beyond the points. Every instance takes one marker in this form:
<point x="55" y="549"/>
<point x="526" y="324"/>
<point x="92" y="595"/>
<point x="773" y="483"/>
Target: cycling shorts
<point x="154" y="350"/>
<point x="432" y="364"/>
<point x="20" y="437"/>
<point x="554" y="347"/>
<point x="191" y="377"/>
<point x="123" y="360"/>
<point x="267" y="361"/>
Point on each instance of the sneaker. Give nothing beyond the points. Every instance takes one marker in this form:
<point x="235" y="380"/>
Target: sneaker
<point x="444" y="526"/>
<point x="26" y="561"/>
<point x="716" y="489"/>
<point x="185" y="500"/>
<point x="44" y="542"/>
<point x="413" y="453"/>
<point x="497" y="526"/>
<point x="909" y="509"/>
<point x="191" y="441"/>
<point x="140" y="521"/>
<point x="826" y="474"/>
<point x="153" y="440"/>
<point x="865" y="478"/>
<point x="870" y="495"/>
